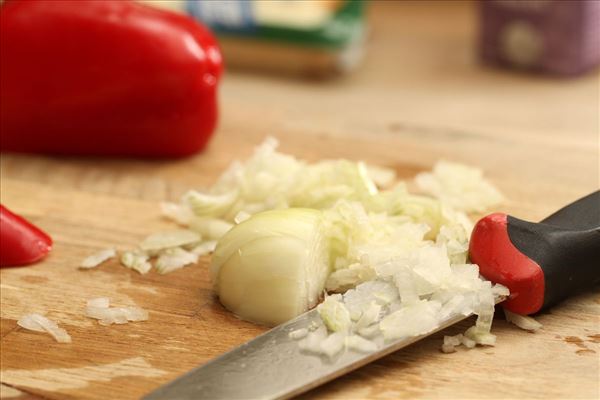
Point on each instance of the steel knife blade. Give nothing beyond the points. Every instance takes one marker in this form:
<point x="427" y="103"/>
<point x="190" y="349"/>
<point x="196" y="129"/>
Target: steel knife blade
<point x="272" y="366"/>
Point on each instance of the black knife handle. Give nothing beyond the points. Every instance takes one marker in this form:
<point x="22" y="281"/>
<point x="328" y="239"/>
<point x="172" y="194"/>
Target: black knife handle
<point x="541" y="263"/>
<point x="579" y="215"/>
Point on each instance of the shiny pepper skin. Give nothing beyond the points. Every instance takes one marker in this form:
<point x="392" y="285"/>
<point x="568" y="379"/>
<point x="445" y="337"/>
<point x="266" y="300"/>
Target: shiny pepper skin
<point x="108" y="78"/>
<point x="21" y="242"/>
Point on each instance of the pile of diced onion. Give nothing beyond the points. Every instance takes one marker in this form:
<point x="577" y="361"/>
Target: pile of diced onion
<point x="399" y="262"/>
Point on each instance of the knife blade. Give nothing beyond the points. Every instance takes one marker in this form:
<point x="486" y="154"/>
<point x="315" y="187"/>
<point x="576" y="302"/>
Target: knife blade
<point x="272" y="366"/>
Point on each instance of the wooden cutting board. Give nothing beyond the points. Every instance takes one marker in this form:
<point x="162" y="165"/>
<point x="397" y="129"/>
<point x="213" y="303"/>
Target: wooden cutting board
<point x="419" y="97"/>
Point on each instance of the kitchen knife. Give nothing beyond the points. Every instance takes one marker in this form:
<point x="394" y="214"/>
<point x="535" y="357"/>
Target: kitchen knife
<point x="272" y="366"/>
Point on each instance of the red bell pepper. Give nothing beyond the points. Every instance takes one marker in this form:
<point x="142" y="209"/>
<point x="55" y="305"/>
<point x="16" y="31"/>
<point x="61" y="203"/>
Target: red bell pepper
<point x="110" y="77"/>
<point x="21" y="242"/>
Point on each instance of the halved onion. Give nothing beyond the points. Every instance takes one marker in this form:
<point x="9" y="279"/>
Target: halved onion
<point x="272" y="267"/>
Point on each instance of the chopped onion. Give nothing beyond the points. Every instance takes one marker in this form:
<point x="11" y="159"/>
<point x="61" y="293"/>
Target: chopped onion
<point x="468" y="343"/>
<point x="210" y="228"/>
<point x="28" y="322"/>
<point x="175" y="258"/>
<point x="411" y="320"/>
<point x="270" y="180"/>
<point x="213" y="205"/>
<point x="522" y="321"/>
<point x="204" y="248"/>
<point x="333" y="344"/>
<point x="101" y="302"/>
<point x="347" y="278"/>
<point x="298" y="334"/>
<point x="165" y="240"/>
<point x="448" y="348"/>
<point x="454" y="306"/>
<point x="460" y="186"/>
<point x="96" y="308"/>
<point x="499" y="290"/>
<point x="312" y="342"/>
<point x="370" y="331"/>
<point x="454" y="238"/>
<point x="39" y="323"/>
<point x="121" y="315"/>
<point x="99" y="308"/>
<point x="451" y="342"/>
<point x="360" y="299"/>
<point x="334" y="314"/>
<point x="383" y="177"/>
<point x="98" y="258"/>
<point x="360" y="344"/>
<point x="180" y="213"/>
<point x="369" y="316"/>
<point x="480" y="336"/>
<point x="137" y="261"/>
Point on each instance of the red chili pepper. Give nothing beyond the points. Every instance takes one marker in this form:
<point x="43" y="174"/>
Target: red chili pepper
<point x="110" y="77"/>
<point x="21" y="242"/>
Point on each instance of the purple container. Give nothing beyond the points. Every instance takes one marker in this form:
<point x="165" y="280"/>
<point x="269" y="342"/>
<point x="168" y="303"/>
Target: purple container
<point x="555" y="36"/>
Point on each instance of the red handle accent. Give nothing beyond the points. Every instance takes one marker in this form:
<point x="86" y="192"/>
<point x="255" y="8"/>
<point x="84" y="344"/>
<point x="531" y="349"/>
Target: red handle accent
<point x="501" y="262"/>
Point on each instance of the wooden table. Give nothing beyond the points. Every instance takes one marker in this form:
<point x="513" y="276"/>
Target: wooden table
<point x="420" y="96"/>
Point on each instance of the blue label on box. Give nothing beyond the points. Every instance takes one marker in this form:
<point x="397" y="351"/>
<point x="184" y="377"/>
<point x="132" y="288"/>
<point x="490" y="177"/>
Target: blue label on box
<point x="223" y="15"/>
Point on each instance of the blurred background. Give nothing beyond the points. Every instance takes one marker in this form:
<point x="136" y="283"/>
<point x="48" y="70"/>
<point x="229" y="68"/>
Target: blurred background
<point x="510" y="86"/>
<point x="330" y="36"/>
<point x="443" y="79"/>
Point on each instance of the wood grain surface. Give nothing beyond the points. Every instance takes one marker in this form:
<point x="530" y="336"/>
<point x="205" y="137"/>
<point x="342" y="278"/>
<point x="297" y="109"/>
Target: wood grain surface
<point x="420" y="96"/>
